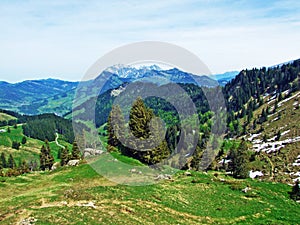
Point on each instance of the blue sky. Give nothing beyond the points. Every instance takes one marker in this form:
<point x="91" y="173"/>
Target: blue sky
<point x="62" y="39"/>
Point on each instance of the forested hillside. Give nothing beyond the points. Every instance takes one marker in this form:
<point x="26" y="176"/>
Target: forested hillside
<point x="44" y="127"/>
<point x="253" y="84"/>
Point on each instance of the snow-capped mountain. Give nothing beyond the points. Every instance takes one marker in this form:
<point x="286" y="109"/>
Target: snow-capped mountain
<point x="155" y="74"/>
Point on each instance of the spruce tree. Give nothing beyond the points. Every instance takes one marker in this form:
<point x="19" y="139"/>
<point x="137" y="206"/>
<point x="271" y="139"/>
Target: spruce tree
<point x="115" y="127"/>
<point x="239" y="160"/>
<point x="159" y="149"/>
<point x="46" y="158"/>
<point x="76" y="154"/>
<point x="278" y="135"/>
<point x="295" y="193"/>
<point x="24" y="168"/>
<point x="154" y="149"/>
<point x="275" y="106"/>
<point x="280" y="97"/>
<point x="50" y="158"/>
<point x="43" y="158"/>
<point x="11" y="162"/>
<point x="264" y="116"/>
<point x="3" y="160"/>
<point x="139" y="119"/>
<point x="24" y="140"/>
<point x="64" y="156"/>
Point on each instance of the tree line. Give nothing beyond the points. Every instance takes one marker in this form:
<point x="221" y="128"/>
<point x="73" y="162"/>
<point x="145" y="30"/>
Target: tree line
<point x="9" y="167"/>
<point x="64" y="155"/>
<point x="44" y="127"/>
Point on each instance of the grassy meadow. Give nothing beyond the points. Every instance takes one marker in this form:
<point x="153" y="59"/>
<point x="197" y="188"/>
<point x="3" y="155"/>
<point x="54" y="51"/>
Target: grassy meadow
<point x="79" y="195"/>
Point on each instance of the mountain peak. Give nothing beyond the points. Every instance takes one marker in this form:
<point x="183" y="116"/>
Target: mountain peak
<point x="128" y="71"/>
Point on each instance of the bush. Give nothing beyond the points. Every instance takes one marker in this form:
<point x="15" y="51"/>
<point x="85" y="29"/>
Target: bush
<point x="295" y="193"/>
<point x="237" y="186"/>
<point x="12" y="173"/>
<point x="24" y="140"/>
<point x="74" y="194"/>
<point x="15" y="145"/>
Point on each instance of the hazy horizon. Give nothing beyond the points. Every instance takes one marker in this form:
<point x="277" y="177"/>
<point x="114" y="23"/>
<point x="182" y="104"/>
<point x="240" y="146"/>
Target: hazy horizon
<point x="134" y="66"/>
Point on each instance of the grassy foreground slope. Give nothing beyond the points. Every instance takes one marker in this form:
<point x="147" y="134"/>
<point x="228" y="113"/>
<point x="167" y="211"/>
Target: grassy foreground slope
<point x="79" y="195"/>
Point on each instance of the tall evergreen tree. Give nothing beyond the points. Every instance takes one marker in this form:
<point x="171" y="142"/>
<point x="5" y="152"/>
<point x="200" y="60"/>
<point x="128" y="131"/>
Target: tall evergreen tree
<point x="239" y="160"/>
<point x="264" y="116"/>
<point x="3" y="160"/>
<point x="46" y="158"/>
<point x="295" y="193"/>
<point x="43" y="158"/>
<point x="11" y="162"/>
<point x="24" y="140"/>
<point x="275" y="106"/>
<point x="64" y="156"/>
<point x="139" y="119"/>
<point x="24" y="168"/>
<point x="76" y="154"/>
<point x="115" y="126"/>
<point x="160" y="150"/>
<point x="154" y="150"/>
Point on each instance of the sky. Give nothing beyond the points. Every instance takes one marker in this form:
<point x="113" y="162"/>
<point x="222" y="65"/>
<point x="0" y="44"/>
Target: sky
<point x="63" y="38"/>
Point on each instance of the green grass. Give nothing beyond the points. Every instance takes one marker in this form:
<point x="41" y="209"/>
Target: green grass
<point x="103" y="134"/>
<point x="125" y="159"/>
<point x="6" y="138"/>
<point x="57" y="198"/>
<point x="30" y="150"/>
<point x="6" y="117"/>
<point x="54" y="148"/>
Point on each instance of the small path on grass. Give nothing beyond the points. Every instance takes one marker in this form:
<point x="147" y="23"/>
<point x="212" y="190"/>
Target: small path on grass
<point x="56" y="141"/>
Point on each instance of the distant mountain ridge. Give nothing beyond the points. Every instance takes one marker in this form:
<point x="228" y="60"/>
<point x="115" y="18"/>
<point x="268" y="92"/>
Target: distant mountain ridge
<point x="20" y="96"/>
<point x="160" y="76"/>
<point x="56" y="96"/>
<point x="224" y="78"/>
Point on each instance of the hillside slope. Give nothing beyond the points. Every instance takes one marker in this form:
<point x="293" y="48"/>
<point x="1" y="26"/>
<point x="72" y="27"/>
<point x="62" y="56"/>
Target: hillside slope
<point x="263" y="107"/>
<point x="30" y="151"/>
<point x="278" y="137"/>
<point x="81" y="196"/>
<point x="28" y="96"/>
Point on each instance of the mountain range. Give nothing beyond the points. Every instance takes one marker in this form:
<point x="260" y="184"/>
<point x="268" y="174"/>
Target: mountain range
<point x="56" y="96"/>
